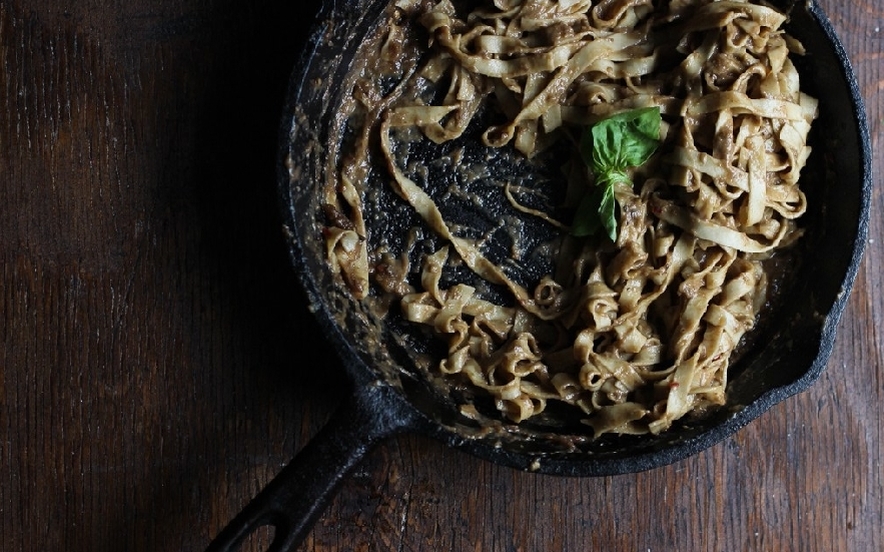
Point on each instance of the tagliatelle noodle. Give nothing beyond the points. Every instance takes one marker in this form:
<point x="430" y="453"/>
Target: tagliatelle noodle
<point x="632" y="335"/>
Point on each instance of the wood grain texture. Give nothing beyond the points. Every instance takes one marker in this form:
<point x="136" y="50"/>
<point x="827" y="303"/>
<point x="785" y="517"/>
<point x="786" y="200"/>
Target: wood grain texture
<point x="150" y="382"/>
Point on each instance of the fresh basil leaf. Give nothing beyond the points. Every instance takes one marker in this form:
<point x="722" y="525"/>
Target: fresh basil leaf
<point x="597" y="210"/>
<point x="587" y="220"/>
<point x="626" y="139"/>
<point x="609" y="148"/>
<point x="608" y="206"/>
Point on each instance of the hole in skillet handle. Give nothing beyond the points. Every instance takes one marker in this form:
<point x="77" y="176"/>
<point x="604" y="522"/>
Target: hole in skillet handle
<point x="293" y="501"/>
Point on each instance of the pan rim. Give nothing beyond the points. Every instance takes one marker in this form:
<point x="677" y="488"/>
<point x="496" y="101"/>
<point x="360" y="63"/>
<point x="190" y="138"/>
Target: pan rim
<point x="566" y="463"/>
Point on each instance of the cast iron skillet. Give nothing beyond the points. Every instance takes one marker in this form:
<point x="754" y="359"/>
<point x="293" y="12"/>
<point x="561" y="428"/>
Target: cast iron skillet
<point x="391" y="391"/>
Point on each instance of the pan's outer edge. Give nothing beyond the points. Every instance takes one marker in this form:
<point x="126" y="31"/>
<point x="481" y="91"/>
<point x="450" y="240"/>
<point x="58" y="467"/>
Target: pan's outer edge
<point x="600" y="466"/>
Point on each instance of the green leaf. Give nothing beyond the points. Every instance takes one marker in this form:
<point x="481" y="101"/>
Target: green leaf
<point x="608" y="210"/>
<point x="610" y="147"/>
<point x="587" y="221"/>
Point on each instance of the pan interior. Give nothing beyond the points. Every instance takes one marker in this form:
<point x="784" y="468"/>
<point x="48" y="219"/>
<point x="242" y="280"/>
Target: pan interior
<point x="789" y="348"/>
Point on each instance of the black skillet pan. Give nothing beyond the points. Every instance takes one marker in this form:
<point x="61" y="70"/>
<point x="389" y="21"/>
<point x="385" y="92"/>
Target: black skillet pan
<point x="391" y="390"/>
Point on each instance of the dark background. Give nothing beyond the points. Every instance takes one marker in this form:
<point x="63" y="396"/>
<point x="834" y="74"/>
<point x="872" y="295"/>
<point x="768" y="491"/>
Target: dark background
<point x="153" y="373"/>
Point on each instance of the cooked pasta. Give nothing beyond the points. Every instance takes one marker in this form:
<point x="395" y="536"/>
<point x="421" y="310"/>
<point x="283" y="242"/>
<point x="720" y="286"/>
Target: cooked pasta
<point x="632" y="333"/>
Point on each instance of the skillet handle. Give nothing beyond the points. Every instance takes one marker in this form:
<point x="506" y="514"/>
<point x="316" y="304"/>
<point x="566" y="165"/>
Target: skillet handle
<point x="297" y="496"/>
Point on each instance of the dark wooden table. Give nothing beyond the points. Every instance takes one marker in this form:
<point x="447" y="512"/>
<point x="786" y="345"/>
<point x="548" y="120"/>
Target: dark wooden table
<point x="150" y="324"/>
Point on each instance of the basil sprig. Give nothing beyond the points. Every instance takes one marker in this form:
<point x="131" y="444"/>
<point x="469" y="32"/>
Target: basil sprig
<point x="610" y="147"/>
